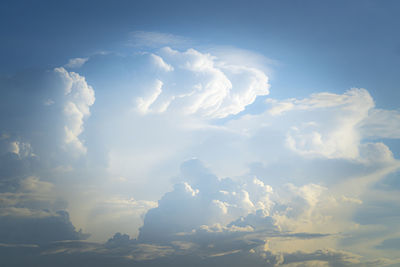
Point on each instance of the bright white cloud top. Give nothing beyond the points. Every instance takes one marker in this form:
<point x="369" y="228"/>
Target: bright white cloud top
<point x="200" y="84"/>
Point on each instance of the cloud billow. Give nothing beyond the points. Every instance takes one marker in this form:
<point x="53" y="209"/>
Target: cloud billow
<point x="199" y="83"/>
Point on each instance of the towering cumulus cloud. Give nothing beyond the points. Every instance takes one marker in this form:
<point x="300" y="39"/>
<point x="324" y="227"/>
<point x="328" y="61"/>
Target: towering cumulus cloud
<point x="45" y="113"/>
<point x="79" y="96"/>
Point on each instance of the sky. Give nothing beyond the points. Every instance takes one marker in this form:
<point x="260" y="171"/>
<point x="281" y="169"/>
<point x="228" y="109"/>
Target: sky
<point x="205" y="133"/>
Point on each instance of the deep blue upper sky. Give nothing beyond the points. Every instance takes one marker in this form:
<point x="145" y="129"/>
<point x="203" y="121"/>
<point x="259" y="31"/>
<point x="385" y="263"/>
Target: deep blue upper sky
<point x="321" y="45"/>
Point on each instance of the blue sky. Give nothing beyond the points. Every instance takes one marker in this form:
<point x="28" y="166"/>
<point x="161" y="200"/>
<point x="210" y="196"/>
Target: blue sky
<point x="162" y="133"/>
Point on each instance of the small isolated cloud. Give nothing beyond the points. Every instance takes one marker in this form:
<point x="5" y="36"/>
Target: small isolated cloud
<point x="156" y="39"/>
<point x="49" y="102"/>
<point x="75" y="63"/>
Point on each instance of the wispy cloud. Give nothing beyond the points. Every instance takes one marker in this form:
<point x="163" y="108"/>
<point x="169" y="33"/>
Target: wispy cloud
<point x="156" y="39"/>
<point x="75" y="63"/>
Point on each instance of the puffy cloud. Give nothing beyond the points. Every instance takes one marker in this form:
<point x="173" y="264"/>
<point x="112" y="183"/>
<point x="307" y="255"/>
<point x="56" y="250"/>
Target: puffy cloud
<point x="48" y="112"/>
<point x="79" y="97"/>
<point x="214" y="216"/>
<point x="202" y="199"/>
<point x="333" y="130"/>
<point x="201" y="84"/>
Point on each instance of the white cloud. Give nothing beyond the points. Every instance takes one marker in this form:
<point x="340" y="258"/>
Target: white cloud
<point x="78" y="62"/>
<point x="105" y="210"/>
<point x="329" y="125"/>
<point x="79" y="96"/>
<point x="202" y="199"/>
<point x="382" y="124"/>
<point x="159" y="62"/>
<point x="155" y="39"/>
<point x="352" y="100"/>
<point x="203" y="85"/>
<point x="143" y="104"/>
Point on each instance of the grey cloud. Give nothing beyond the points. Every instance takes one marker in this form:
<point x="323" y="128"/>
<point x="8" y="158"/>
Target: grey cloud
<point x="378" y="211"/>
<point x="47" y="227"/>
<point x="30" y="214"/>
<point x="185" y="229"/>
<point x="257" y="221"/>
<point x="391" y="243"/>
<point x="334" y="258"/>
<point x="390" y="182"/>
<point x="27" y="116"/>
<point x="75" y="253"/>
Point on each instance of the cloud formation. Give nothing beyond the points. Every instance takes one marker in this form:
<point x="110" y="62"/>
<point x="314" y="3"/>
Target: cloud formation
<point x="297" y="173"/>
<point x="79" y="97"/>
<point x="198" y="83"/>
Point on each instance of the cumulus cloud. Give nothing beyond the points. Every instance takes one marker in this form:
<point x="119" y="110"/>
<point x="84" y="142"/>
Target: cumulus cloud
<point x="333" y="131"/>
<point x="203" y="199"/>
<point x="219" y="216"/>
<point x="79" y="97"/>
<point x="104" y="211"/>
<point x="201" y="84"/>
<point x="48" y="112"/>
<point x="47" y="108"/>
